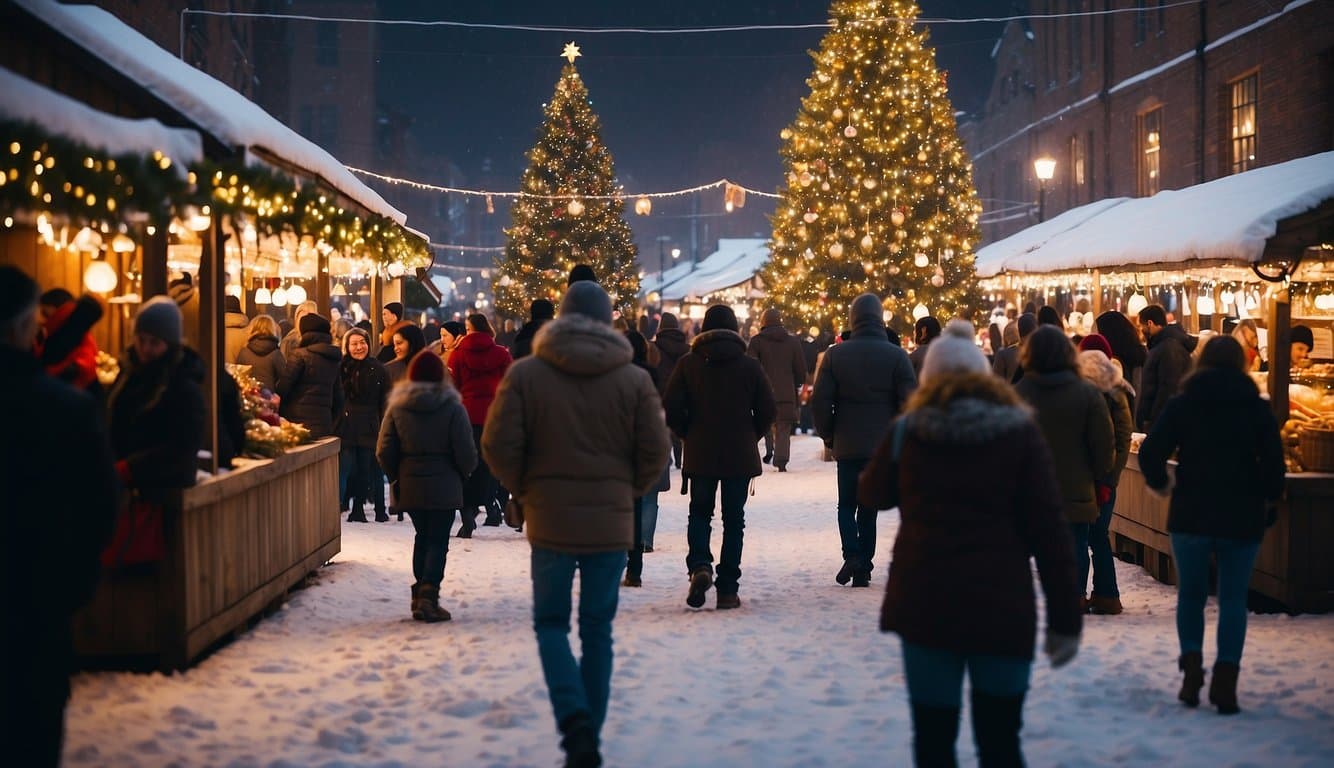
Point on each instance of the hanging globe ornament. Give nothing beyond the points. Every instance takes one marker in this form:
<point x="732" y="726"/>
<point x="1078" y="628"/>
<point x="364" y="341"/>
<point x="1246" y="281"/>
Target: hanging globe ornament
<point x="894" y="269"/>
<point x="575" y="208"/>
<point x="921" y="156"/>
<point x="810" y="216"/>
<point x="837" y="113"/>
<point x="920" y="259"/>
<point x="809" y="254"/>
<point x="897" y="217"/>
<point x="785" y="134"/>
<point x="836" y="250"/>
<point x="850" y="131"/>
<point x="938" y="279"/>
<point x="869" y="183"/>
<point x="805" y="178"/>
<point x="867" y="243"/>
<point x="901" y="234"/>
<point x="824" y="186"/>
<point x="895" y="248"/>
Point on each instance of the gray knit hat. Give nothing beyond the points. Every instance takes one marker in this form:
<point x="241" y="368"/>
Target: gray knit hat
<point x="587" y="298"/>
<point x="160" y="318"/>
<point x="954" y="352"/>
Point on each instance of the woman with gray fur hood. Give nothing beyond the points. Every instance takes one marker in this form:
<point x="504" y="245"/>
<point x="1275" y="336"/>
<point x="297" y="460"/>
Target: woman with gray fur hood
<point x="1097" y="366"/>
<point x="426" y="450"/>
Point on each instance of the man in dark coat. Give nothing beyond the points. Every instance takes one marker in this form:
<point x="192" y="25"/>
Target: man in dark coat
<point x="672" y="346"/>
<point x="720" y="403"/>
<point x="924" y="332"/>
<point x="861" y="386"/>
<point x="309" y="387"/>
<point x="540" y="312"/>
<point x="784" y="364"/>
<point x="1167" y="364"/>
<point x="58" y="476"/>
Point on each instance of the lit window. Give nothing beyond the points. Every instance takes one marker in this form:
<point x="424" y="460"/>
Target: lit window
<point x="1150" y="155"/>
<point x="1241" y="122"/>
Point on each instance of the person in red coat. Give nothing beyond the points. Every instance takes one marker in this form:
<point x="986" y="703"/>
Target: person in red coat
<point x="477" y="365"/>
<point x="66" y="347"/>
<point x="960" y="589"/>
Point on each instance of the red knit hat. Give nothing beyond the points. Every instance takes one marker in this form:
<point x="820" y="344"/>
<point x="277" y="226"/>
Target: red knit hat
<point x="426" y="366"/>
<point x="1097" y="342"/>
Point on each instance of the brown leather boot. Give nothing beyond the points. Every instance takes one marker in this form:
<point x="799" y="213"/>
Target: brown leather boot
<point x="1192" y="663"/>
<point x="1104" y="606"/>
<point x="426" y="605"/>
<point x="1223" y="688"/>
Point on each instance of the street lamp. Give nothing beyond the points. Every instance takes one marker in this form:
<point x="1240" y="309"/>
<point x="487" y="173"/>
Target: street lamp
<point x="662" y="265"/>
<point x="1045" y="168"/>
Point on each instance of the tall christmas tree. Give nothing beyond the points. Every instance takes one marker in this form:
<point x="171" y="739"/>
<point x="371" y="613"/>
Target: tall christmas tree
<point x="879" y="194"/>
<point x="570" y="212"/>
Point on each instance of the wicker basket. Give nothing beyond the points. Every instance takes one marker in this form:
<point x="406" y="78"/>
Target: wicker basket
<point x="1317" y="449"/>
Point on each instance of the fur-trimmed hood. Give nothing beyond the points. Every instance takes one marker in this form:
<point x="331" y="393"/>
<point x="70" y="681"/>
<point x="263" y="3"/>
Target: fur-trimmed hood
<point x="581" y="346"/>
<point x="718" y="346"/>
<point x="967" y="409"/>
<point x="422" y="396"/>
<point x="1102" y="372"/>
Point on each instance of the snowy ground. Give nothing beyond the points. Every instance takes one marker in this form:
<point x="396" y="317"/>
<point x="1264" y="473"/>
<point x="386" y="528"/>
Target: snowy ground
<point x="799" y="676"/>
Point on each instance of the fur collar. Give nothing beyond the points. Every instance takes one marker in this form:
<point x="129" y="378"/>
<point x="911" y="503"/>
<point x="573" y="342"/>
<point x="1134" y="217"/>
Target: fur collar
<point x="966" y="409"/>
<point x="1103" y="373"/>
<point x="422" y="396"/>
<point x="582" y="346"/>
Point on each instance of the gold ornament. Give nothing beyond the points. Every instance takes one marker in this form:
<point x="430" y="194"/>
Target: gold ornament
<point x="805" y="178"/>
<point x="838" y="113"/>
<point x="920" y="259"/>
<point x="850" y="131"/>
<point x="836" y="250"/>
<point x="867" y="243"/>
<point x="643" y="206"/>
<point x="810" y="216"/>
<point x="869" y="183"/>
<point x="575" y="208"/>
<point x="896" y="217"/>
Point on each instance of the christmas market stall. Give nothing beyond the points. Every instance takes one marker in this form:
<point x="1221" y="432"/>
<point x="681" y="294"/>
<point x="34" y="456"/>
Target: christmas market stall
<point x="125" y="173"/>
<point x="1255" y="246"/>
<point x="729" y="275"/>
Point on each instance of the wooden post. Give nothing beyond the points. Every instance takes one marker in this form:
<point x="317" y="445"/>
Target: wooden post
<point x="1097" y="292"/>
<point x="1280" y="354"/>
<point x="154" y="256"/>
<point x="322" y="288"/>
<point x="211" y="286"/>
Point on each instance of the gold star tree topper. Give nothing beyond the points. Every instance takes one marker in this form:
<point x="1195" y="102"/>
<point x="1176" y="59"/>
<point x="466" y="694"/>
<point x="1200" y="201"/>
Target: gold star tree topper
<point x="571" y="52"/>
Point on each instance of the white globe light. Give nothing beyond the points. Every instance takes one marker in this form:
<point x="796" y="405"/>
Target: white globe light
<point x="296" y="294"/>
<point x="1205" y="304"/>
<point x="262" y="296"/>
<point x="99" y="277"/>
<point x="233" y="290"/>
<point x="396" y="269"/>
<point x="1136" y="303"/>
<point x="920" y="311"/>
<point x="279" y="297"/>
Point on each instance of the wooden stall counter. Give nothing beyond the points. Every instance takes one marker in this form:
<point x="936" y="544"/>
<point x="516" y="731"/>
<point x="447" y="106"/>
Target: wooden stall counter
<point x="235" y="544"/>
<point x="1295" y="565"/>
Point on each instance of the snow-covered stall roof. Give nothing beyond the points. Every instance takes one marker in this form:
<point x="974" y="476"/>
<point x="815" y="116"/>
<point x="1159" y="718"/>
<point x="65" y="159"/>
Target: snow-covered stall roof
<point x="655" y="281"/>
<point x="736" y="261"/>
<point x="22" y="99"/>
<point x="992" y="259"/>
<point x="222" y="112"/>
<point x="1227" y="220"/>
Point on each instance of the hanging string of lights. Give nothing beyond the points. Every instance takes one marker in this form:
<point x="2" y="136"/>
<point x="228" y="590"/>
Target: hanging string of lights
<point x="724" y="184"/>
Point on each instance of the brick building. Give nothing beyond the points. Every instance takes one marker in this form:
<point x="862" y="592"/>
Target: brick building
<point x="1156" y="98"/>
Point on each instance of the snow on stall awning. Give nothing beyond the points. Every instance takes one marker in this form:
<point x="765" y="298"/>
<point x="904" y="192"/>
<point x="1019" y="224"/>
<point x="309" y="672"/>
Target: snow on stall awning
<point x="1227" y="220"/>
<point x="736" y="261"/>
<point x="994" y="258"/>
<point x="217" y="109"/>
<point x="22" y="99"/>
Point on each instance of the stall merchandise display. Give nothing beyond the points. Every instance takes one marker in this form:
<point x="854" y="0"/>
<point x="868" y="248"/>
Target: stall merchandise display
<point x="266" y="433"/>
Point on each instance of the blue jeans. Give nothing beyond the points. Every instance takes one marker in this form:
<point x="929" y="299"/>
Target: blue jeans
<point x="357" y="475"/>
<point x="935" y="677"/>
<point x="856" y="524"/>
<point x="1100" y="547"/>
<point x="699" y="530"/>
<point x="583" y="685"/>
<point x="430" y="547"/>
<point x="1080" y="533"/>
<point x="648" y="518"/>
<point x="1235" y="558"/>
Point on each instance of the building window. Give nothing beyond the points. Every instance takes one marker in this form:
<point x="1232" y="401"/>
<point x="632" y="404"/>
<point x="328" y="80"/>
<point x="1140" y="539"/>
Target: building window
<point x="1088" y="163"/>
<point x="326" y="43"/>
<point x="1141" y="20"/>
<point x="1076" y="164"/>
<point x="1150" y="155"/>
<point x="1241" y="121"/>
<point x="1074" y="51"/>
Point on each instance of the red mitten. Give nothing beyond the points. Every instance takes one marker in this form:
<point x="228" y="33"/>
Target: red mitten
<point x="1104" y="494"/>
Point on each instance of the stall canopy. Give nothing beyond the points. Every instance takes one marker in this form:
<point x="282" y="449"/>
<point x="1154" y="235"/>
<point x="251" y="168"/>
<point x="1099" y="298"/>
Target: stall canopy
<point x="23" y="100"/>
<point x="226" y="115"/>
<point x="1226" y="221"/>
<point x="735" y="262"/>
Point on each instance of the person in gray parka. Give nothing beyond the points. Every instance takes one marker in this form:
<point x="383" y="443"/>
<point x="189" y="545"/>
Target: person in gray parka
<point x="860" y="387"/>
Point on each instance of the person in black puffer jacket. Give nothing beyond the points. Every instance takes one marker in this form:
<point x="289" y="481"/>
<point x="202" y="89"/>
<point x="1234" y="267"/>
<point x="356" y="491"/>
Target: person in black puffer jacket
<point x="720" y="404"/>
<point x="309" y="384"/>
<point x="1229" y="471"/>
<point x="261" y="352"/>
<point x="672" y="346"/>
<point x="365" y="384"/>
<point x="540" y="312"/>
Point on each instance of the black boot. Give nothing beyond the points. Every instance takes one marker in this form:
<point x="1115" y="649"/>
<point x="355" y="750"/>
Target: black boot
<point x="468" y="523"/>
<point x="580" y="742"/>
<point x="935" y="730"/>
<point x="861" y="578"/>
<point x="358" y="514"/>
<point x="997" y="721"/>
<point x="495" y="514"/>
<point x="845" y="573"/>
<point x="1223" y="688"/>
<point x="1191" y="663"/>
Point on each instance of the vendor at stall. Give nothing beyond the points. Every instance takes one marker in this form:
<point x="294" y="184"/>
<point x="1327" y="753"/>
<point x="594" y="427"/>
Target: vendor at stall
<point x="1303" y="341"/>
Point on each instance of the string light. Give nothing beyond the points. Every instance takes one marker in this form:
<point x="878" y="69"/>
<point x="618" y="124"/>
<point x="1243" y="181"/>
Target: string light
<point x="622" y="196"/>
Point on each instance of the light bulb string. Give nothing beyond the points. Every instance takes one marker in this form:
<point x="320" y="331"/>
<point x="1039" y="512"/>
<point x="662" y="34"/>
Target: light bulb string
<point x="720" y="183"/>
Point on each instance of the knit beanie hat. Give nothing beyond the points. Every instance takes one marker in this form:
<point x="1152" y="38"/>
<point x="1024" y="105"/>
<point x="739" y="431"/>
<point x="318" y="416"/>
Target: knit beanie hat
<point x="231" y="304"/>
<point x="588" y="299"/>
<point x="580" y="273"/>
<point x="669" y="322"/>
<point x="313" y="323"/>
<point x="720" y="316"/>
<point x="866" y="308"/>
<point x="426" y="366"/>
<point x="541" y="309"/>
<point x="771" y="317"/>
<point x="954" y="352"/>
<point x="395" y="308"/>
<point x="1096" y="342"/>
<point x="454" y="327"/>
<point x="1300" y="334"/>
<point x="160" y="318"/>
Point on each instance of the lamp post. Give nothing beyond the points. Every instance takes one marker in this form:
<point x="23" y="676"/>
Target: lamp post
<point x="1045" y="168"/>
<point x="662" y="265"/>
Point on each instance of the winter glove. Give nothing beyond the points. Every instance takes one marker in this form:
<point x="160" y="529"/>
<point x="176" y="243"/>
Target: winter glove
<point x="1104" y="494"/>
<point x="1060" y="649"/>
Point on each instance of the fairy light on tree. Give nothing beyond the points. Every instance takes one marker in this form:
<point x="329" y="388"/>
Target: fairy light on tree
<point x="876" y="178"/>
<point x="571" y="210"/>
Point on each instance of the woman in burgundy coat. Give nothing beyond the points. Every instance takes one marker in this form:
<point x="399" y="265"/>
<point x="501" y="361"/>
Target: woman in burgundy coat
<point x="478" y="364"/>
<point x="960" y="592"/>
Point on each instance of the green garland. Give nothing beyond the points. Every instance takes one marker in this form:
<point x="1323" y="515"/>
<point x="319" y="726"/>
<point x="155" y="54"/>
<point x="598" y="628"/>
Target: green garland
<point x="83" y="185"/>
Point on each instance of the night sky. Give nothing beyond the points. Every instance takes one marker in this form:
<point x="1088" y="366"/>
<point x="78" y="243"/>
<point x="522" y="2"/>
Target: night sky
<point x="676" y="110"/>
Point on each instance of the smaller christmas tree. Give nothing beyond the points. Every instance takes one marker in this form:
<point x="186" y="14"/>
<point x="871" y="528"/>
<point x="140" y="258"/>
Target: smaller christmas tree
<point x="570" y="212"/>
